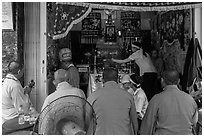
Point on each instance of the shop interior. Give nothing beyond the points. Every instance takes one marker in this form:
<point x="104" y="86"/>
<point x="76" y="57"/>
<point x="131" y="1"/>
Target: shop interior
<point x="108" y="33"/>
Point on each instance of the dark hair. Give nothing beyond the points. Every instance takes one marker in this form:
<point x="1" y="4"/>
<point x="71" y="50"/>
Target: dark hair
<point x="14" y="67"/>
<point x="136" y="78"/>
<point x="110" y="74"/>
<point x="171" y="77"/>
<point x="140" y="46"/>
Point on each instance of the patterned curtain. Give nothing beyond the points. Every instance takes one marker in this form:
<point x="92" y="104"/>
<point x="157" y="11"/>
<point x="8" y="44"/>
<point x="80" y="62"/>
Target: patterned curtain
<point x="138" y="6"/>
<point x="172" y="26"/>
<point x="66" y="16"/>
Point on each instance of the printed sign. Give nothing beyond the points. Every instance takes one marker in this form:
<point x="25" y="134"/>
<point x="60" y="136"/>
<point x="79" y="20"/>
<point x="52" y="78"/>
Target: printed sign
<point x="7" y="16"/>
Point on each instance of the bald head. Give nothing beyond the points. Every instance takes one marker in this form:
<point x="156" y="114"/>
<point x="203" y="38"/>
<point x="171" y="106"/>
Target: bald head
<point x="110" y="74"/>
<point x="14" y="67"/>
<point x="171" y="77"/>
<point x="60" y="76"/>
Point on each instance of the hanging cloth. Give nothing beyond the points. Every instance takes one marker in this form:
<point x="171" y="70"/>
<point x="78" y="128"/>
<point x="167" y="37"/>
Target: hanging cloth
<point x="66" y="16"/>
<point x="192" y="66"/>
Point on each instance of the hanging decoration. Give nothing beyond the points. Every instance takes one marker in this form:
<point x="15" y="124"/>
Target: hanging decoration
<point x="69" y="13"/>
<point x="66" y="16"/>
<point x="91" y="25"/>
<point x="172" y="26"/>
<point x="138" y="6"/>
<point x="130" y="24"/>
<point x="171" y="56"/>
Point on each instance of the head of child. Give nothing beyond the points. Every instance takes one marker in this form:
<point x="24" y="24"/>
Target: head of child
<point x="131" y="82"/>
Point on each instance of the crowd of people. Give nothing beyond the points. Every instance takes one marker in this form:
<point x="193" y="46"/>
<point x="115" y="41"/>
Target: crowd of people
<point x="136" y="107"/>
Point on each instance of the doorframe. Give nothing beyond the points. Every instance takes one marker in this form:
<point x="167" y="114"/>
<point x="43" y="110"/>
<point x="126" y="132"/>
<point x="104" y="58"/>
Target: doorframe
<point x="35" y="51"/>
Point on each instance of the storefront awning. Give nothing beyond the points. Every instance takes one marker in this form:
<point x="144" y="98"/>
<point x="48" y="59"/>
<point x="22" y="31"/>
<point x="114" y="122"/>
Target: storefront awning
<point x="138" y="6"/>
<point x="69" y="13"/>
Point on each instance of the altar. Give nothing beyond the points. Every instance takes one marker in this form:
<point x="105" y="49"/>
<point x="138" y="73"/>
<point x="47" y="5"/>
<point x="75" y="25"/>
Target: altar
<point x="96" y="82"/>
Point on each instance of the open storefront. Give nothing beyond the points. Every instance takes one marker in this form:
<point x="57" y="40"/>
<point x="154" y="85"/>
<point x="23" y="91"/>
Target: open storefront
<point x="97" y="32"/>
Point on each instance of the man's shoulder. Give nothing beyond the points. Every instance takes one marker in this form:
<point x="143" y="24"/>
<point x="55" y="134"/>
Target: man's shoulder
<point x="78" y="90"/>
<point x="123" y="93"/>
<point x="178" y="93"/>
<point x="141" y="93"/>
<point x="72" y="67"/>
<point x="50" y="96"/>
<point x="190" y="98"/>
<point x="11" y="83"/>
<point x="157" y="98"/>
<point x="75" y="89"/>
<point x="95" y="94"/>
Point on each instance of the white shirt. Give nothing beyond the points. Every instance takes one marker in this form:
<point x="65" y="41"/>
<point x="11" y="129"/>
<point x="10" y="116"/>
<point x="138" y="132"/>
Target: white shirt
<point x="141" y="102"/>
<point x="12" y="97"/>
<point x="145" y="64"/>
<point x="63" y="89"/>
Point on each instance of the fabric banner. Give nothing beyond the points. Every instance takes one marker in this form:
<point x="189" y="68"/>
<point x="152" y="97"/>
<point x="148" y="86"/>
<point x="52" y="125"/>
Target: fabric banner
<point x="172" y="26"/>
<point x="193" y="65"/>
<point x="69" y="13"/>
<point x="66" y="16"/>
<point x="171" y="56"/>
<point x="138" y="6"/>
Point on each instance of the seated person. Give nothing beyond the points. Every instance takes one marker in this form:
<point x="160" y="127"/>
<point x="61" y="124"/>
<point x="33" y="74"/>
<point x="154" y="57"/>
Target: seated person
<point x="14" y="96"/>
<point x="63" y="88"/>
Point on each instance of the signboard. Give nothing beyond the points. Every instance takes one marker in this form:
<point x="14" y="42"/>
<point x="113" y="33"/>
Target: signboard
<point x="7" y="16"/>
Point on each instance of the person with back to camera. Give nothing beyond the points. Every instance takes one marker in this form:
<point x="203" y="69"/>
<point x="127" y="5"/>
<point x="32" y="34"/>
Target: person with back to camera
<point x="114" y="107"/>
<point x="132" y="84"/>
<point x="171" y="112"/>
<point x="63" y="88"/>
<point x="14" y="98"/>
<point x="147" y="69"/>
<point x="65" y="57"/>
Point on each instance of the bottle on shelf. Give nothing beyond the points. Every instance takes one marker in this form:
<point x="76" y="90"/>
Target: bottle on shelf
<point x="21" y="115"/>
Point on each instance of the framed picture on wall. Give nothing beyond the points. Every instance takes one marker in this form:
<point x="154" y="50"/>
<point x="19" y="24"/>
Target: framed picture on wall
<point x="110" y="34"/>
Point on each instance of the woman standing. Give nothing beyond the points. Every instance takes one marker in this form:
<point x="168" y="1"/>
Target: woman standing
<point x="147" y="69"/>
